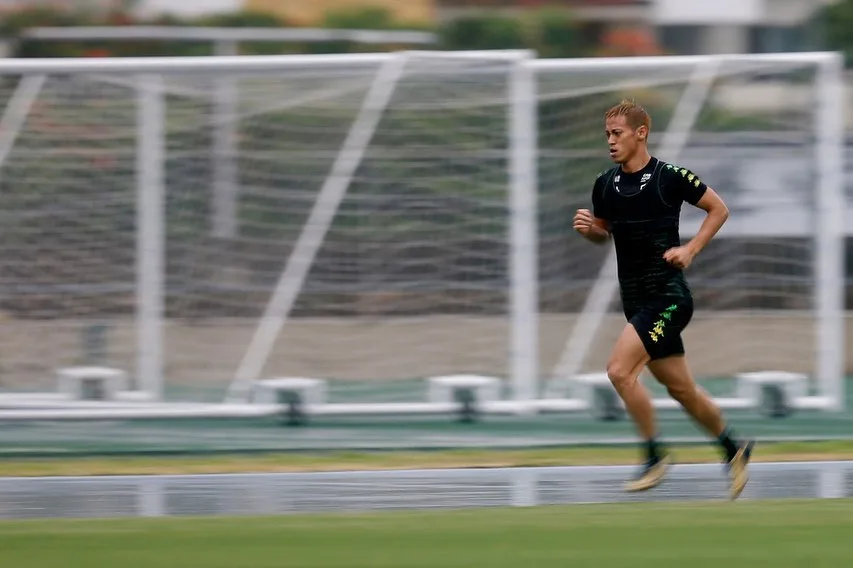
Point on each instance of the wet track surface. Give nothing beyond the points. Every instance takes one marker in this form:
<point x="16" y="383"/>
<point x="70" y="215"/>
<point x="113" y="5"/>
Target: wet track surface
<point x="265" y="494"/>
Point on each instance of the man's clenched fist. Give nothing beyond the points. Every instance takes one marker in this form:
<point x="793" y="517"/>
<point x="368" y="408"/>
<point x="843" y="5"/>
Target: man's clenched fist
<point x="583" y="222"/>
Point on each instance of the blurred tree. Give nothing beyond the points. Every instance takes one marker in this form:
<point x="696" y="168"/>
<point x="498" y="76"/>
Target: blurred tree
<point x="836" y="23"/>
<point x="242" y="19"/>
<point x="14" y="21"/>
<point x="369" y="18"/>
<point x="557" y="34"/>
<point x="484" y="32"/>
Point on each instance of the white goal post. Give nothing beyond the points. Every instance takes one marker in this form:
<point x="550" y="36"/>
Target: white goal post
<point x="400" y="221"/>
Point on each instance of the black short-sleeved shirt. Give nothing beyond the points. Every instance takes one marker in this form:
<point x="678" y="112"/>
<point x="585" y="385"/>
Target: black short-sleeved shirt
<point x="643" y="209"/>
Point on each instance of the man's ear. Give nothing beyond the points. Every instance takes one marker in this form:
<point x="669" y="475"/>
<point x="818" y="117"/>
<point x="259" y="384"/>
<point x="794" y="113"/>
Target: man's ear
<point x="643" y="132"/>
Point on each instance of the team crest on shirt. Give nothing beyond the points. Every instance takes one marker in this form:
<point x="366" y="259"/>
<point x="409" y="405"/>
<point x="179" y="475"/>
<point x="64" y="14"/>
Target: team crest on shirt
<point x="644" y="180"/>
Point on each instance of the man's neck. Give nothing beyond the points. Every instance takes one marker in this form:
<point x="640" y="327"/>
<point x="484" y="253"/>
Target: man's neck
<point x="637" y="162"/>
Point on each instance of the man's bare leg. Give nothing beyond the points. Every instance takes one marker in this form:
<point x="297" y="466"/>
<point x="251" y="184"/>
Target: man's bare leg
<point x="627" y="360"/>
<point x="623" y="369"/>
<point x="674" y="373"/>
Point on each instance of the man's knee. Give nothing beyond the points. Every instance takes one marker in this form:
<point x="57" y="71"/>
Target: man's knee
<point x="688" y="393"/>
<point x="682" y="392"/>
<point x="621" y="375"/>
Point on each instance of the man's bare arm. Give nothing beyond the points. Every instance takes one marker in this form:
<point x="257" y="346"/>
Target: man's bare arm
<point x="590" y="227"/>
<point x="717" y="214"/>
<point x="599" y="232"/>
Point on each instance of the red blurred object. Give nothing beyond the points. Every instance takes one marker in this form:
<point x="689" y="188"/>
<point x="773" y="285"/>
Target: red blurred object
<point x="624" y="41"/>
<point x="97" y="52"/>
<point x="120" y="19"/>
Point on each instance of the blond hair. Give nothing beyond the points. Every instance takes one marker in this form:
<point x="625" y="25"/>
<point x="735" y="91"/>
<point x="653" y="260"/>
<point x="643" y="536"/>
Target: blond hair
<point x="635" y="115"/>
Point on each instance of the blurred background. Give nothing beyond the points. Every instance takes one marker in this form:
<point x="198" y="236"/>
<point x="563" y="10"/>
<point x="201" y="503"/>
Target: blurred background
<point x="556" y="28"/>
<point x="324" y="252"/>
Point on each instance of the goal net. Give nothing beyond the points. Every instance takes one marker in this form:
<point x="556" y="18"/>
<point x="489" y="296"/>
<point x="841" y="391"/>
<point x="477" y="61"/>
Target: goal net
<point x="377" y="220"/>
<point x="203" y="224"/>
<point x="763" y="131"/>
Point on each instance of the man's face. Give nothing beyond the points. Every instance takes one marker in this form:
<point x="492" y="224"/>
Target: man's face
<point x="624" y="142"/>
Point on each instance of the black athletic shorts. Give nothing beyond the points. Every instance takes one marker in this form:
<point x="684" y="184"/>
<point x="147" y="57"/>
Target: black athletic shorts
<point x="660" y="325"/>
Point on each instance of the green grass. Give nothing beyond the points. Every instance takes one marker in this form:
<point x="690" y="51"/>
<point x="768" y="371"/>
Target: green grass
<point x="333" y="461"/>
<point x="792" y="534"/>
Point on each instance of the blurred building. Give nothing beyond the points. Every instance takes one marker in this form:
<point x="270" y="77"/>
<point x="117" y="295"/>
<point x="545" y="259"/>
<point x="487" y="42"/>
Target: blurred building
<point x="736" y="26"/>
<point x="678" y="26"/>
<point x="681" y="26"/>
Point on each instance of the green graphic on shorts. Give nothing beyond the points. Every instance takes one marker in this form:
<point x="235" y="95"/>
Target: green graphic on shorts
<point x="665" y="316"/>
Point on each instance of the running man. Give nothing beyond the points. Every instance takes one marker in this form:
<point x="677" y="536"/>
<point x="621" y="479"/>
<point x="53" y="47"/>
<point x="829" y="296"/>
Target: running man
<point x="639" y="204"/>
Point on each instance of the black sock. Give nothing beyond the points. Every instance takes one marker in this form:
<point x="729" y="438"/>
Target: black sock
<point x="728" y="443"/>
<point x="653" y="450"/>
